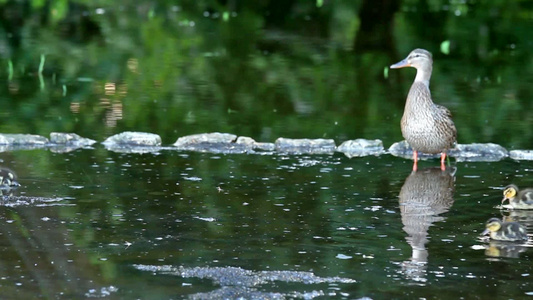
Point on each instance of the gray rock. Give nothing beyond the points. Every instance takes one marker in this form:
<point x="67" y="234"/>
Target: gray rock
<point x="402" y="149"/>
<point x="305" y="146"/>
<point x="213" y="137"/>
<point x="264" y="146"/>
<point x="215" y="142"/>
<point x="248" y="141"/>
<point x="22" y="139"/>
<point x="521" y="154"/>
<point x="479" y="152"/>
<point x="462" y="152"/>
<point x="133" y="139"/>
<point x="361" y="147"/>
<point x="132" y="149"/>
<point x="71" y="139"/>
<point x="224" y="148"/>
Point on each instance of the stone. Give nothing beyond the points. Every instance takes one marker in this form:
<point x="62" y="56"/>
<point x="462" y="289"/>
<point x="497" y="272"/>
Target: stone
<point x="255" y="145"/>
<point x="361" y="147"/>
<point x="269" y="147"/>
<point x="224" y="148"/>
<point x="478" y="152"/>
<point x="402" y="149"/>
<point x="214" y="142"/>
<point x="461" y="152"/>
<point x="22" y="139"/>
<point x="213" y="137"/>
<point x="132" y="139"/>
<point x="61" y="138"/>
<point x="521" y="154"/>
<point x="305" y="146"/>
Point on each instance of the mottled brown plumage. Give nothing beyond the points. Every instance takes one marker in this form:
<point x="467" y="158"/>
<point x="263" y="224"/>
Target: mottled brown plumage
<point x="426" y="126"/>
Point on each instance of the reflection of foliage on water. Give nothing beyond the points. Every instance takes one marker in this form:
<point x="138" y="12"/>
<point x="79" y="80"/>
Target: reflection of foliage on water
<point x="263" y="69"/>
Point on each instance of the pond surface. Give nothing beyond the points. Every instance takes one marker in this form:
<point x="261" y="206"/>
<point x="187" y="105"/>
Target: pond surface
<point x="96" y="223"/>
<point x="175" y="224"/>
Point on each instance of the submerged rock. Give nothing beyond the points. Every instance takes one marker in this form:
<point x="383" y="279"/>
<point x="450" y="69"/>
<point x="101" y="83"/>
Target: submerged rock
<point x="361" y="147"/>
<point x="255" y="145"/>
<point x="133" y="139"/>
<point x="462" y="152"/>
<point x="236" y="283"/>
<point x="10" y="200"/>
<point x="22" y="139"/>
<point x="521" y="154"/>
<point x="214" y="142"/>
<point x="305" y="146"/>
<point x="479" y="152"/>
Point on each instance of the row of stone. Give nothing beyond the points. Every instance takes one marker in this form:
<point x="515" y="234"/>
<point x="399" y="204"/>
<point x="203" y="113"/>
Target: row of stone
<point x="216" y="142"/>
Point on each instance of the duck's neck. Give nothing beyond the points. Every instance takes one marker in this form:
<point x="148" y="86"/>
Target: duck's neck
<point x="423" y="74"/>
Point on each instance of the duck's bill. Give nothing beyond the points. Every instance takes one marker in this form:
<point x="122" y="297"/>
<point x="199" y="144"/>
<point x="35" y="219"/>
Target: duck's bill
<point x="504" y="199"/>
<point x="402" y="64"/>
<point x="485" y="232"/>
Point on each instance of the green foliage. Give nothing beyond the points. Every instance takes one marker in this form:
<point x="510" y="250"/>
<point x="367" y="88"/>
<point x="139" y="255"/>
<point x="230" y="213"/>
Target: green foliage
<point x="205" y="66"/>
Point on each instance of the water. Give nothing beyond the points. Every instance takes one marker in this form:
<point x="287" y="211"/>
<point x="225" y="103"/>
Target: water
<point x="105" y="214"/>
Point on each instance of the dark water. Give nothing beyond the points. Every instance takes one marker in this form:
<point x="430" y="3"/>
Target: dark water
<point x="94" y="223"/>
<point x="363" y="219"/>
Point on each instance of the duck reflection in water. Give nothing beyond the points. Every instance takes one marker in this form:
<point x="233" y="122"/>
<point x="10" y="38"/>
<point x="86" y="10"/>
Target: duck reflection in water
<point x="424" y="196"/>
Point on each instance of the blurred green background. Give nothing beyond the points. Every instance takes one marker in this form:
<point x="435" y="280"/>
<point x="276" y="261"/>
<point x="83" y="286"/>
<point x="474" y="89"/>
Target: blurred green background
<point x="264" y="69"/>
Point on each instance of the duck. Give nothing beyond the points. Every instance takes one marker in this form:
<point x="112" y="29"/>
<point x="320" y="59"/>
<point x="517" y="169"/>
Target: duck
<point x="518" y="199"/>
<point x="505" y="231"/>
<point x="427" y="127"/>
<point x="8" y="179"/>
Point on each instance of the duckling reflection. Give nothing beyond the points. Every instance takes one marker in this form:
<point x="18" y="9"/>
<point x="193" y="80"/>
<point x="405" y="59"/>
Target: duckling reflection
<point x="504" y="249"/>
<point x="424" y="196"/>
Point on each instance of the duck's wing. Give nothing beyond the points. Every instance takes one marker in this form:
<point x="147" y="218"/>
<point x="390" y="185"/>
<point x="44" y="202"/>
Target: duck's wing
<point x="445" y="116"/>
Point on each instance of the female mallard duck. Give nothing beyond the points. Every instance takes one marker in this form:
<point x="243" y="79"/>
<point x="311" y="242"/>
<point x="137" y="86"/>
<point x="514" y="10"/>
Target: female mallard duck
<point x="426" y="126"/>
<point x="518" y="199"/>
<point x="505" y="231"/>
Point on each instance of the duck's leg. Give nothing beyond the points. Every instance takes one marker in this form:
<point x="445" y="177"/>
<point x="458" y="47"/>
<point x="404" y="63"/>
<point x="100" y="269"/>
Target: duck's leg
<point x="442" y="159"/>
<point x="415" y="159"/>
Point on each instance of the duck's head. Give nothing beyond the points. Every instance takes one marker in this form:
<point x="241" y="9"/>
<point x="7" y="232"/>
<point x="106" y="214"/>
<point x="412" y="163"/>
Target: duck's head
<point x="418" y="58"/>
<point x="492" y="225"/>
<point x="509" y="192"/>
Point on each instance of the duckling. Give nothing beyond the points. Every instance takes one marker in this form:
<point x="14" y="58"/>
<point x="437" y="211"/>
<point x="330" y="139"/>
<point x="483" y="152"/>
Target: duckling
<point x="505" y="231"/>
<point x="426" y="126"/>
<point x="518" y="199"/>
<point x="8" y="179"/>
